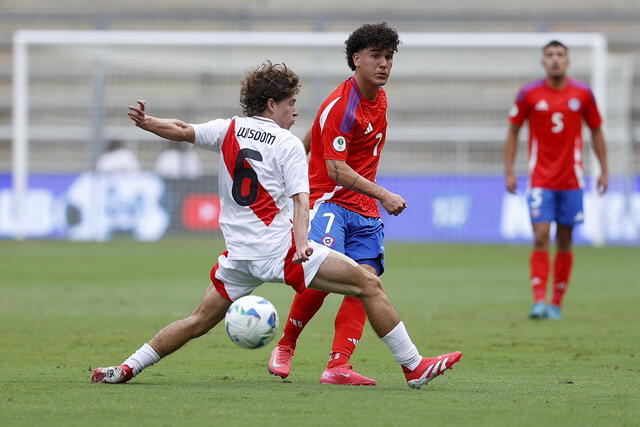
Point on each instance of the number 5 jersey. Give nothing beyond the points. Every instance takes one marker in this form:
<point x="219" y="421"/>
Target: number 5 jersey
<point x="555" y="131"/>
<point x="261" y="166"/>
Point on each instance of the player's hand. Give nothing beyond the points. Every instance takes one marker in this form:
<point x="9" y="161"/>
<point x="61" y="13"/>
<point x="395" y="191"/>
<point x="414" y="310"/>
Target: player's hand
<point x="137" y="113"/>
<point x="603" y="184"/>
<point x="302" y="254"/>
<point x="510" y="183"/>
<point x="393" y="203"/>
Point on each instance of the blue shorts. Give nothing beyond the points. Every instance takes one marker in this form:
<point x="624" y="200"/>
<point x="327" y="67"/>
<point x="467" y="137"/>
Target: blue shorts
<point x="359" y="237"/>
<point x="562" y="206"/>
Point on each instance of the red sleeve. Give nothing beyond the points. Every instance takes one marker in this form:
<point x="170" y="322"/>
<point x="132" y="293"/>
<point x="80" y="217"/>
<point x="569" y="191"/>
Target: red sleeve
<point x="590" y="112"/>
<point x="520" y="109"/>
<point x="335" y="141"/>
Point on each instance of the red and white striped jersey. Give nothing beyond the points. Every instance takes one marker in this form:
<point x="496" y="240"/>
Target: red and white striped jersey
<point x="261" y="166"/>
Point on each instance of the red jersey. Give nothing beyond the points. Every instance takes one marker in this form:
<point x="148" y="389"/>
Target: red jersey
<point x="555" y="131"/>
<point x="350" y="128"/>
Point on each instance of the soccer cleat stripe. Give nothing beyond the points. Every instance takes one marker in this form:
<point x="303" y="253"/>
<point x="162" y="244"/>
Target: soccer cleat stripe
<point x="431" y="370"/>
<point x="264" y="207"/>
<point x="444" y="364"/>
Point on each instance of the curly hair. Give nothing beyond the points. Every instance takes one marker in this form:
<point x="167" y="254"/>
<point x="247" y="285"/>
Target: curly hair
<point x="378" y="35"/>
<point x="268" y="81"/>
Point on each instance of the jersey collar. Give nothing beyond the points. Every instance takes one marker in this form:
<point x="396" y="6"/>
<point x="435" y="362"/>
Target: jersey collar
<point x="264" y="119"/>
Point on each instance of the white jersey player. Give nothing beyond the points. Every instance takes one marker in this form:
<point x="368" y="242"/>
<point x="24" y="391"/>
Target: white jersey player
<point x="262" y="165"/>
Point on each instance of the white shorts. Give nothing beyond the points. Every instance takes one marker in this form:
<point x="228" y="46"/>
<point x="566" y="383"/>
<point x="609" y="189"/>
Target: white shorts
<point x="236" y="278"/>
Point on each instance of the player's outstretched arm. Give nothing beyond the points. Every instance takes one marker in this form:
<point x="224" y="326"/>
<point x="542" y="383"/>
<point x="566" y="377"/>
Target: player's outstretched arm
<point x="510" y="151"/>
<point x="172" y="129"/>
<point x="301" y="227"/>
<point x="600" y="148"/>
<point x="345" y="176"/>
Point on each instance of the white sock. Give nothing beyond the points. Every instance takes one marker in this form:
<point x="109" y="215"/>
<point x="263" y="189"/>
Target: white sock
<point x="402" y="348"/>
<point x="144" y="357"/>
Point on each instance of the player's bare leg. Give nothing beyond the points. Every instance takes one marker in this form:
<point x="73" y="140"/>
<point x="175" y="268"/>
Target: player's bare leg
<point x="562" y="265"/>
<point x="209" y="313"/>
<point x="340" y="274"/>
<point x="539" y="269"/>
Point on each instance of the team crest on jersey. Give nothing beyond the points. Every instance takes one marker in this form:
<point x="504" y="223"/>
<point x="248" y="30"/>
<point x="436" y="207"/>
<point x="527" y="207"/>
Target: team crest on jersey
<point x="328" y="240"/>
<point x="574" y="104"/>
<point x="514" y="111"/>
<point x="339" y="143"/>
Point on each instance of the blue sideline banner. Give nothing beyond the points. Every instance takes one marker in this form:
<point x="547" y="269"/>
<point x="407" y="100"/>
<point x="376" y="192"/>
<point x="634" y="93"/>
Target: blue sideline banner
<point x="478" y="209"/>
<point x="473" y="209"/>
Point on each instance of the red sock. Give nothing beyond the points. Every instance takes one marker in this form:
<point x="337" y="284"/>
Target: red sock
<point x="305" y="305"/>
<point x="561" y="273"/>
<point x="349" y="326"/>
<point x="539" y="265"/>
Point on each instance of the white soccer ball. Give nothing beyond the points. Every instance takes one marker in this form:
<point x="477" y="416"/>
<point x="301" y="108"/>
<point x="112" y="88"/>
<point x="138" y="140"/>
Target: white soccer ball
<point x="251" y="321"/>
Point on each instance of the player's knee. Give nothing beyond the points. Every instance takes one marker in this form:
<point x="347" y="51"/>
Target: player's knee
<point x="371" y="284"/>
<point x="541" y="241"/>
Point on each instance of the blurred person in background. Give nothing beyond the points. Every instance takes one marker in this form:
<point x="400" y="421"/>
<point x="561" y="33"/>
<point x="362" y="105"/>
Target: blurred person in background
<point x="178" y="161"/>
<point x="117" y="158"/>
<point x="555" y="107"/>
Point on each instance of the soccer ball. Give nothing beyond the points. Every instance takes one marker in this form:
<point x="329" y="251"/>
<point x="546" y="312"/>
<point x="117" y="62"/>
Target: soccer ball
<point x="251" y="321"/>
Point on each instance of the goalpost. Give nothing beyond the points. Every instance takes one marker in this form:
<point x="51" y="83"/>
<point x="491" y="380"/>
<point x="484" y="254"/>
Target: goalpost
<point x="448" y="99"/>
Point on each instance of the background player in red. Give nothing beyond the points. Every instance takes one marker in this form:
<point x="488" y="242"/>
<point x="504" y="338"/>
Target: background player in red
<point x="261" y="166"/>
<point x="346" y="139"/>
<point x="555" y="107"/>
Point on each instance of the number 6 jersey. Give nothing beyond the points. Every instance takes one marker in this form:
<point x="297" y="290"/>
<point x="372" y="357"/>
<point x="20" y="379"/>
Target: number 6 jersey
<point x="555" y="131"/>
<point x="261" y="166"/>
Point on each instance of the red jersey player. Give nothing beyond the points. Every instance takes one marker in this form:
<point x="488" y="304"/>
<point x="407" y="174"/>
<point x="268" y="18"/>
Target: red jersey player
<point x="555" y="107"/>
<point x="346" y="139"/>
<point x="261" y="166"/>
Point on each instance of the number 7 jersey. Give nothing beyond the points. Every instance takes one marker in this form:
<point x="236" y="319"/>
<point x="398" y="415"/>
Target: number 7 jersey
<point x="352" y="129"/>
<point x="261" y="166"/>
<point x="555" y="131"/>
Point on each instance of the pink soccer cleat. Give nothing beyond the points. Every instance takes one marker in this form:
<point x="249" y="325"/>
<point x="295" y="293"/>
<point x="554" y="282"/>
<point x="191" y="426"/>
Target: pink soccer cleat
<point x="344" y="375"/>
<point x="280" y="361"/>
<point x="429" y="368"/>
<point x="112" y="375"/>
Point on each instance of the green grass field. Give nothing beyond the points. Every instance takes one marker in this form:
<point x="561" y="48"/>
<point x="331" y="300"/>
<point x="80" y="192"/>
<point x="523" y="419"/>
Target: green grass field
<point x="67" y="307"/>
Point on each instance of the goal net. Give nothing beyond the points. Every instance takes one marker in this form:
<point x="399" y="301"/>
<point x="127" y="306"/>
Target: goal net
<point x="449" y="95"/>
